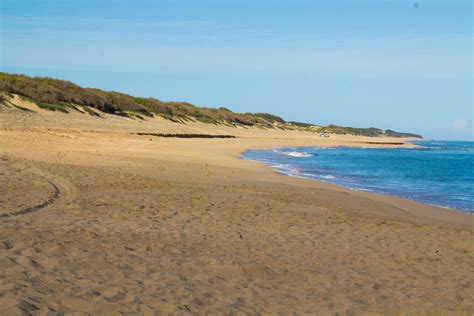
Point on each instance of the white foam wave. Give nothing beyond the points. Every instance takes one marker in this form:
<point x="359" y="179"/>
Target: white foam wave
<point x="299" y="154"/>
<point x="328" y="177"/>
<point x="294" y="172"/>
<point x="296" y="154"/>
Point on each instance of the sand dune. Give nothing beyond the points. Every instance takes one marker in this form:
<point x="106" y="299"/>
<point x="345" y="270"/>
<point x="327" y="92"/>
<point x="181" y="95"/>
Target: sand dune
<point x="117" y="222"/>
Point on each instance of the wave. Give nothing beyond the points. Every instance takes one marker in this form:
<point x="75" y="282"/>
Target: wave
<point x="296" y="154"/>
<point x="329" y="177"/>
<point x="299" y="154"/>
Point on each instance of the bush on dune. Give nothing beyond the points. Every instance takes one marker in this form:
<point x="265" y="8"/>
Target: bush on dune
<point x="61" y="95"/>
<point x="52" y="94"/>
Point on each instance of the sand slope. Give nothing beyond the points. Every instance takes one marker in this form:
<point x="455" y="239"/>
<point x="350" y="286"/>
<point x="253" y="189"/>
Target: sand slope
<point x="136" y="224"/>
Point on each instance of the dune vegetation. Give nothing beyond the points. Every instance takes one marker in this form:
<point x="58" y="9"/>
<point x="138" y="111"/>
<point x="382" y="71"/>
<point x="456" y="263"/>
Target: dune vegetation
<point x="64" y="96"/>
<point x="370" y="132"/>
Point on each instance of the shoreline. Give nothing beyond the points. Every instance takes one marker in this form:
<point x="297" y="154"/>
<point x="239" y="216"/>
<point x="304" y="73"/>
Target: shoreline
<point x="287" y="174"/>
<point x="428" y="213"/>
<point x="369" y="192"/>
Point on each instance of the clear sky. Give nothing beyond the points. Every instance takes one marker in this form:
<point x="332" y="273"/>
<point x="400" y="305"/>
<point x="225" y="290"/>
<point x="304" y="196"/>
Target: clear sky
<point x="404" y="65"/>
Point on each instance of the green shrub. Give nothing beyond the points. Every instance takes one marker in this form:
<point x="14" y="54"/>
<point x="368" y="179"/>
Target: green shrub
<point x="53" y="107"/>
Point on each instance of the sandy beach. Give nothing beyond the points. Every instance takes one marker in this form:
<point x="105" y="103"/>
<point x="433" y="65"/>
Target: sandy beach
<point x="96" y="219"/>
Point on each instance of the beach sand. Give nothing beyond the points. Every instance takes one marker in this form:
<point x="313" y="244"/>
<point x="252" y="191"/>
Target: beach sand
<point x="96" y="219"/>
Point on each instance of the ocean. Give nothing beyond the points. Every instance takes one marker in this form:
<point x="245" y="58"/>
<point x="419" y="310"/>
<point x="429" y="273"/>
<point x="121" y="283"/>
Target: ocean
<point x="438" y="173"/>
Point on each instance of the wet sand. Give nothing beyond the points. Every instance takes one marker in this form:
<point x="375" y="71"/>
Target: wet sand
<point x="97" y="219"/>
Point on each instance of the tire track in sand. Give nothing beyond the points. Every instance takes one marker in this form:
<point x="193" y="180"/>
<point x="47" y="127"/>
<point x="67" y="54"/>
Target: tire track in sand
<point x="63" y="193"/>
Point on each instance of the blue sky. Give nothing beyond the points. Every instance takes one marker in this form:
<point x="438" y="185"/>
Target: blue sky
<point x="404" y="65"/>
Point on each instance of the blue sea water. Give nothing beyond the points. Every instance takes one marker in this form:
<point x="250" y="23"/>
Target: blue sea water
<point x="438" y="172"/>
